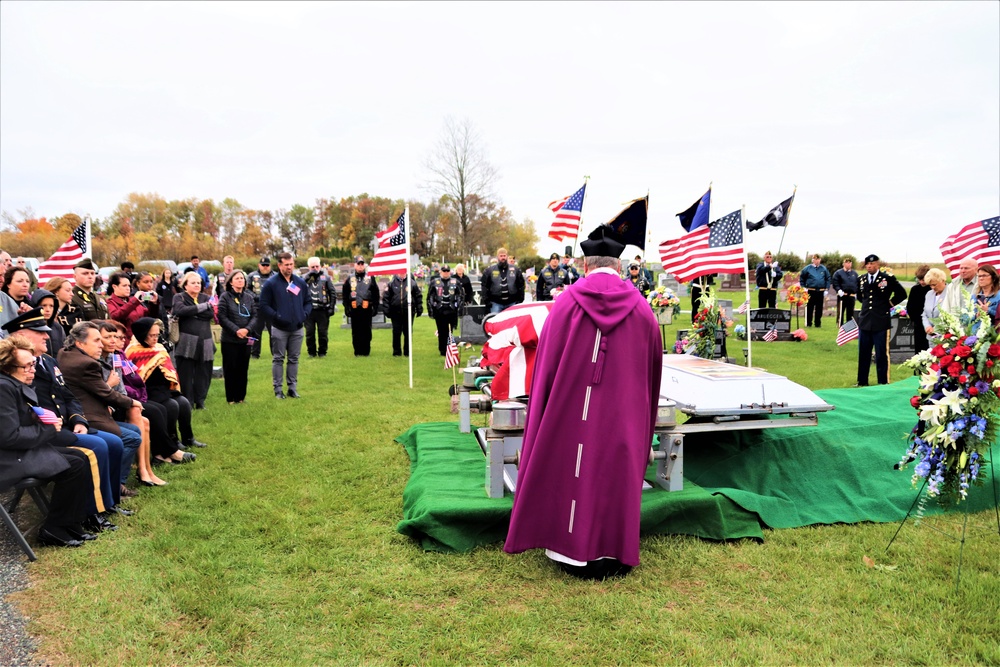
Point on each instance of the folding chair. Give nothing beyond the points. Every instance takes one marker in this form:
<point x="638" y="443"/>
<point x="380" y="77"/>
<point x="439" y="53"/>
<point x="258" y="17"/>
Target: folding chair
<point x="34" y="488"/>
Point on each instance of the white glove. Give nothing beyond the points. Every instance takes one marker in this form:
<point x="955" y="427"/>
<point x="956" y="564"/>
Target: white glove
<point x="774" y="265"/>
<point x="840" y="292"/>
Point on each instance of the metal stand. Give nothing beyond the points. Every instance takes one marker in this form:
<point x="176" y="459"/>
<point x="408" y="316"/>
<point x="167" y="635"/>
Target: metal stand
<point x="965" y="520"/>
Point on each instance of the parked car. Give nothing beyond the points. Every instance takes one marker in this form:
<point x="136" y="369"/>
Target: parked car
<point x="157" y="266"/>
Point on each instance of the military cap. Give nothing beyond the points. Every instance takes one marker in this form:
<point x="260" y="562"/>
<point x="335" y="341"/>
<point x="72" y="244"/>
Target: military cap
<point x="871" y="258"/>
<point x="554" y="255"/>
<point x="33" y="319"/>
<point x="85" y="263"/>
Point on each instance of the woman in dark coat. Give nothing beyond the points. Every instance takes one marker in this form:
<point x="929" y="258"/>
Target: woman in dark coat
<point x="30" y="448"/>
<point x="166" y="289"/>
<point x="195" y="351"/>
<point x="239" y="321"/>
<point x="915" y="308"/>
<point x="47" y="301"/>
<point x="466" y="283"/>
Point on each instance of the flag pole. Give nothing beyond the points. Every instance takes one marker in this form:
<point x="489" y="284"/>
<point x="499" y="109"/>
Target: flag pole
<point x="579" y="227"/>
<point x="409" y="291"/>
<point x="785" y="227"/>
<point x="454" y="373"/>
<point x="90" y="243"/>
<point x="746" y="266"/>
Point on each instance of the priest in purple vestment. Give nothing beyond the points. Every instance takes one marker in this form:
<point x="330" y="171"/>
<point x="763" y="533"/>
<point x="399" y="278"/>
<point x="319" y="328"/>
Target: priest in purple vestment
<point x="591" y="413"/>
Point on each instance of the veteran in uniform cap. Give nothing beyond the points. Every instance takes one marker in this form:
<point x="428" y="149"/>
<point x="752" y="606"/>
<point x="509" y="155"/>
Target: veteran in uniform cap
<point x="879" y="292"/>
<point x="587" y="437"/>
<point x="552" y="280"/>
<point x="361" y="298"/>
<point x="89" y="303"/>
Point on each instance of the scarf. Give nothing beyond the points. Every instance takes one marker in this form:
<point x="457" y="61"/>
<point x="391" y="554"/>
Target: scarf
<point x="148" y="359"/>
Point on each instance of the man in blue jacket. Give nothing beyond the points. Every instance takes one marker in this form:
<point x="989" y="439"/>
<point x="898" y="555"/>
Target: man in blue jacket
<point x="815" y="278"/>
<point x="285" y="303"/>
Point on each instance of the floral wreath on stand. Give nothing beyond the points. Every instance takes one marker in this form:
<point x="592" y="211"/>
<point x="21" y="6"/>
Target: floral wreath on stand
<point x="663" y="298"/>
<point x="958" y="403"/>
<point x="700" y="340"/>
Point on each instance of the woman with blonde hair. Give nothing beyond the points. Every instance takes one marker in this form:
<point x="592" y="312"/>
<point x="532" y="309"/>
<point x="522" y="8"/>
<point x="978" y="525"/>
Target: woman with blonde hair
<point x="938" y="281"/>
<point x="66" y="313"/>
<point x="195" y="350"/>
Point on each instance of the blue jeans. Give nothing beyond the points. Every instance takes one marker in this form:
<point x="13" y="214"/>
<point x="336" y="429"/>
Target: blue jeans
<point x="282" y="343"/>
<point x="131" y="439"/>
<point x="108" y="449"/>
<point x="499" y="307"/>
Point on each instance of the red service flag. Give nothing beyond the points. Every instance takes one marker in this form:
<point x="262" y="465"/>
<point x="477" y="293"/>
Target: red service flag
<point x="60" y="264"/>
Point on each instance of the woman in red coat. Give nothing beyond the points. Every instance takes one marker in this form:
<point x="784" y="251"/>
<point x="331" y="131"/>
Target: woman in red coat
<point x="122" y="306"/>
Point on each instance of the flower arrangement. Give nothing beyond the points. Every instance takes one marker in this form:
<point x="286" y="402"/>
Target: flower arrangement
<point x="800" y="335"/>
<point x="664" y="297"/>
<point x="958" y="403"/>
<point x="531" y="280"/>
<point x="740" y="331"/>
<point x="420" y="272"/>
<point x="679" y="346"/>
<point x="700" y="340"/>
<point x="797" y="295"/>
<point x="898" y="310"/>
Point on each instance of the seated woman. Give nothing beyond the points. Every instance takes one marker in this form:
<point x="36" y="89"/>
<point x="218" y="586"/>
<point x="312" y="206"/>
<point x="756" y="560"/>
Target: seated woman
<point x="155" y="368"/>
<point x="988" y="296"/>
<point x="151" y="420"/>
<point x="31" y="448"/>
<point x="937" y="281"/>
<point x="66" y="313"/>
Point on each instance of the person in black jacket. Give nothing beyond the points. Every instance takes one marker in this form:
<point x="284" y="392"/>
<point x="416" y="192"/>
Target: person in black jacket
<point x="845" y="281"/>
<point x="879" y="291"/>
<point x="502" y="284"/>
<point x="552" y="280"/>
<point x="324" y="300"/>
<point x="240" y="327"/>
<point x="361" y="299"/>
<point x="767" y="275"/>
<point x="462" y="274"/>
<point x="444" y="301"/>
<point x="30" y="448"/>
<point x="395" y="305"/>
<point x="915" y="308"/>
<point x="195" y="351"/>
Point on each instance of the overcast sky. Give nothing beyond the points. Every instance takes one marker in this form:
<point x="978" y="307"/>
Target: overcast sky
<point x="886" y="116"/>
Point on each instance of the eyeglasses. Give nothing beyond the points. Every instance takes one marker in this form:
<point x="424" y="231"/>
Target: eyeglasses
<point x="29" y="367"/>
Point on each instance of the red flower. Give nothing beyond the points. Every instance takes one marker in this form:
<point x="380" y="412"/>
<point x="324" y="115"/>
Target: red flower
<point x="935" y="367"/>
<point x="970" y="368"/>
<point x="994" y="350"/>
<point x="997" y="390"/>
<point x="947" y="359"/>
<point x="939" y="351"/>
<point x="973" y="391"/>
<point x="963" y="379"/>
<point x="954" y="369"/>
<point x="989" y="363"/>
<point x="947" y="336"/>
<point x="963" y="351"/>
<point x="915" y="401"/>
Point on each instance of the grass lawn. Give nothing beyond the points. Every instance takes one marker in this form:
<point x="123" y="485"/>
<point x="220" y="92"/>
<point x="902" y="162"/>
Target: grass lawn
<point x="278" y="546"/>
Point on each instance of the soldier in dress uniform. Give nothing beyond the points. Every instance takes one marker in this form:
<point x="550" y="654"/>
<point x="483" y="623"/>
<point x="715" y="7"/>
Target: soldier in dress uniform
<point x="255" y="281"/>
<point x="552" y="279"/>
<point x="395" y="307"/>
<point x="89" y="304"/>
<point x="361" y="298"/>
<point x="879" y="291"/>
<point x="444" y="301"/>
<point x="767" y="275"/>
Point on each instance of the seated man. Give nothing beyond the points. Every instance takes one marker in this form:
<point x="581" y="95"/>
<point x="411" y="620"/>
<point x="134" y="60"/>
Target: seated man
<point x="79" y="361"/>
<point x="47" y="382"/>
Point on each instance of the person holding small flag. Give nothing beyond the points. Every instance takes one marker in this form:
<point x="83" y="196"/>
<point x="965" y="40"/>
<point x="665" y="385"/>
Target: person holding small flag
<point x="361" y="300"/>
<point x="879" y="292"/>
<point x="445" y="297"/>
<point x="285" y="302"/>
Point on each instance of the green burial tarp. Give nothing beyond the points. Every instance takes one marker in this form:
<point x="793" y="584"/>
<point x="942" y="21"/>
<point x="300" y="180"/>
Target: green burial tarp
<point x="734" y="482"/>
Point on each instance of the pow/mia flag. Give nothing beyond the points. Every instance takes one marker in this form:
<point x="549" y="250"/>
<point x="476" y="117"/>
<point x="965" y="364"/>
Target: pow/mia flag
<point x="776" y="217"/>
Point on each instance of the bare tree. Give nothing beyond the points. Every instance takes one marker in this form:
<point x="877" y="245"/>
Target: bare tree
<point x="461" y="174"/>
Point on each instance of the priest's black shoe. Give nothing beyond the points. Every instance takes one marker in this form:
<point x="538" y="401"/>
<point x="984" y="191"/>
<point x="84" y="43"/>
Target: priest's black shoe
<point x="78" y="533"/>
<point x="56" y="537"/>
<point x="293" y="394"/>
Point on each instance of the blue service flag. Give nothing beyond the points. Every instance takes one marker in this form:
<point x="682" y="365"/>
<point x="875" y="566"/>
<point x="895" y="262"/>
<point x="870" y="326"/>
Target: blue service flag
<point x="697" y="214"/>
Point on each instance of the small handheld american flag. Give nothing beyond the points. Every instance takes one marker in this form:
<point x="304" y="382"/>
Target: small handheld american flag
<point x="46" y="416"/>
<point x="451" y="355"/>
<point x="848" y="332"/>
<point x="744" y="307"/>
<point x="771" y="335"/>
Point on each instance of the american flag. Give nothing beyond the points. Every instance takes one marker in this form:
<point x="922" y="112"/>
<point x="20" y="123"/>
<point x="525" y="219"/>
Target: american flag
<point x="848" y="332"/>
<point x="568" y="211"/>
<point x="45" y="415"/>
<point x="744" y="307"/>
<point x="771" y="335"/>
<point x="980" y="240"/>
<point x="451" y="356"/>
<point x="390" y="256"/>
<point x="713" y="248"/>
<point x="60" y="264"/>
